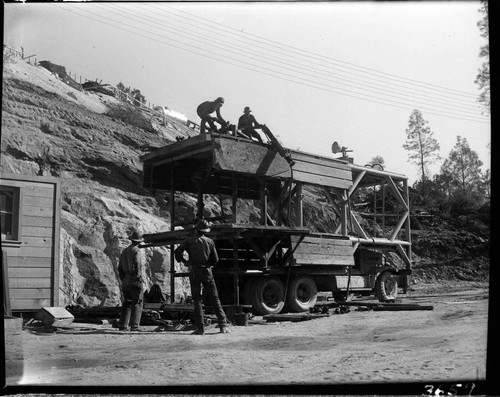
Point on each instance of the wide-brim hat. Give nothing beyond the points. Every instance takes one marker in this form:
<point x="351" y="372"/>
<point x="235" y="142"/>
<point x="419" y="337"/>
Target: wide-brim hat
<point x="247" y="109"/>
<point x="203" y="226"/>
<point x="136" y="236"/>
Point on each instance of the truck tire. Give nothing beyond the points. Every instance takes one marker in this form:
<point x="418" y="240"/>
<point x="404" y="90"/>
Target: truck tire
<point x="268" y="295"/>
<point x="386" y="286"/>
<point x="302" y="294"/>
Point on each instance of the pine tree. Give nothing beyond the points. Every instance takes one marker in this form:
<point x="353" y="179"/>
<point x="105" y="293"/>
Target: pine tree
<point x="422" y="146"/>
<point x="464" y="167"/>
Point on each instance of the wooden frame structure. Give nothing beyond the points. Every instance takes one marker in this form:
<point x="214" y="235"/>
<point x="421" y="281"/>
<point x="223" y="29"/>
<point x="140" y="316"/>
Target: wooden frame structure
<point x="242" y="169"/>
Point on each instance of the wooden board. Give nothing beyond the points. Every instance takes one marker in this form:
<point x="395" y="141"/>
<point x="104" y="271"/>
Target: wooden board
<point x="44" y="212"/>
<point x="36" y="201"/>
<point x="317" y="250"/>
<point x="248" y="158"/>
<point x="24" y="272"/>
<point x="37" y="221"/>
<point x="36" y="231"/>
<point x="182" y="147"/>
<point x="37" y="252"/>
<point x="29" y="283"/>
<point x="321" y="171"/>
<point x="45" y="242"/>
<point x="27" y="261"/>
<point x="31" y="293"/>
<point x="29" y="304"/>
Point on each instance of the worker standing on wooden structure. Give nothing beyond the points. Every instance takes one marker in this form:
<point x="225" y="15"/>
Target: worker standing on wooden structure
<point x="202" y="256"/>
<point x="205" y="110"/>
<point x="130" y="270"/>
<point x="247" y="125"/>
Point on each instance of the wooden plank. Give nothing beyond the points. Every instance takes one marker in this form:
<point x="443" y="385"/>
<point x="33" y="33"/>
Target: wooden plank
<point x="37" y="201"/>
<point x="24" y="272"/>
<point x="38" y="252"/>
<point x="25" y="261"/>
<point x="334" y="261"/>
<point x="342" y="177"/>
<point x="249" y="158"/>
<point x="327" y="244"/>
<point x="29" y="283"/>
<point x="35" y="231"/>
<point x="320" y="180"/>
<point x="31" y="188"/>
<point x="177" y="147"/>
<point x="323" y="259"/>
<point x="31" y="293"/>
<point x="45" y="190"/>
<point x="45" y="212"/>
<point x="29" y="304"/>
<point x="37" y="191"/>
<point x="56" y="244"/>
<point x="33" y="179"/>
<point x="37" y="221"/>
<point x="45" y="242"/>
<point x="323" y="250"/>
<point x="305" y="157"/>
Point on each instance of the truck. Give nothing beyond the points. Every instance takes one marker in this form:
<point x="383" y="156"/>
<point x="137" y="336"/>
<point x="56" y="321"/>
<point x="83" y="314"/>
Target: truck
<point x="279" y="259"/>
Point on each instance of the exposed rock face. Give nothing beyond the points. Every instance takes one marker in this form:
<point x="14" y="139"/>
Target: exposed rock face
<point x="85" y="140"/>
<point x="92" y="143"/>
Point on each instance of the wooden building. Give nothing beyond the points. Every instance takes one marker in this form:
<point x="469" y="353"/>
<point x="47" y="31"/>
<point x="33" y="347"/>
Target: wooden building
<point x="30" y="228"/>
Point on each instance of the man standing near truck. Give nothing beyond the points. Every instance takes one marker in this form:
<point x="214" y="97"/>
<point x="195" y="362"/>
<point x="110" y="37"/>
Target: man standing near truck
<point x="202" y="256"/>
<point x="130" y="270"/>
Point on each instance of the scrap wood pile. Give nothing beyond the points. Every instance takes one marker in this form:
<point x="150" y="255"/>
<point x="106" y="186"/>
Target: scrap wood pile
<point x="95" y="86"/>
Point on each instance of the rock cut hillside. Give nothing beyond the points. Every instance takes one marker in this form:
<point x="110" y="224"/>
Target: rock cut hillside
<point x="92" y="143"/>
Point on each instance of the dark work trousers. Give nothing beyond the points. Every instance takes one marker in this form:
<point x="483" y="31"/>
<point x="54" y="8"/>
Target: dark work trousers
<point x="210" y="120"/>
<point x="133" y="298"/>
<point x="203" y="276"/>
<point x="250" y="132"/>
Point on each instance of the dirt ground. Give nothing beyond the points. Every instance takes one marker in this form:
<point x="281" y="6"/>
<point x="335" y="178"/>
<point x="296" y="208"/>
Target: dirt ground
<point x="442" y="345"/>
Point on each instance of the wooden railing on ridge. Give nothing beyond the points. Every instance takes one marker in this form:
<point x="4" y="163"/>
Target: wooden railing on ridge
<point x="117" y="93"/>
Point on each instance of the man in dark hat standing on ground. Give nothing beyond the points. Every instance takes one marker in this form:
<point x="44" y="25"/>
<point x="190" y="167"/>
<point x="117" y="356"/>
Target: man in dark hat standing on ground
<point x="130" y="270"/>
<point x="247" y="125"/>
<point x="205" y="109"/>
<point x="202" y="256"/>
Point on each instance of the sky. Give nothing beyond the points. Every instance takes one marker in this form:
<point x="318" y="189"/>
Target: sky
<point x="313" y="72"/>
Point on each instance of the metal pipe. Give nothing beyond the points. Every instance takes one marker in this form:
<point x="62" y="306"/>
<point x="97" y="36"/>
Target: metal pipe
<point x="378" y="241"/>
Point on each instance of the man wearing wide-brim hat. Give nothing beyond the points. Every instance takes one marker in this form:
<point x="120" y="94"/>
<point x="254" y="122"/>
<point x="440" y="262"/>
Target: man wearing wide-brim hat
<point x="247" y="125"/>
<point x="202" y="256"/>
<point x="130" y="270"/>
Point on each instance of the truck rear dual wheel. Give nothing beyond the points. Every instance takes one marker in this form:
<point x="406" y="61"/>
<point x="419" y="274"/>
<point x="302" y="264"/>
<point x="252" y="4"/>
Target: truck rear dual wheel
<point x="302" y="294"/>
<point x="268" y="295"/>
<point x="386" y="286"/>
